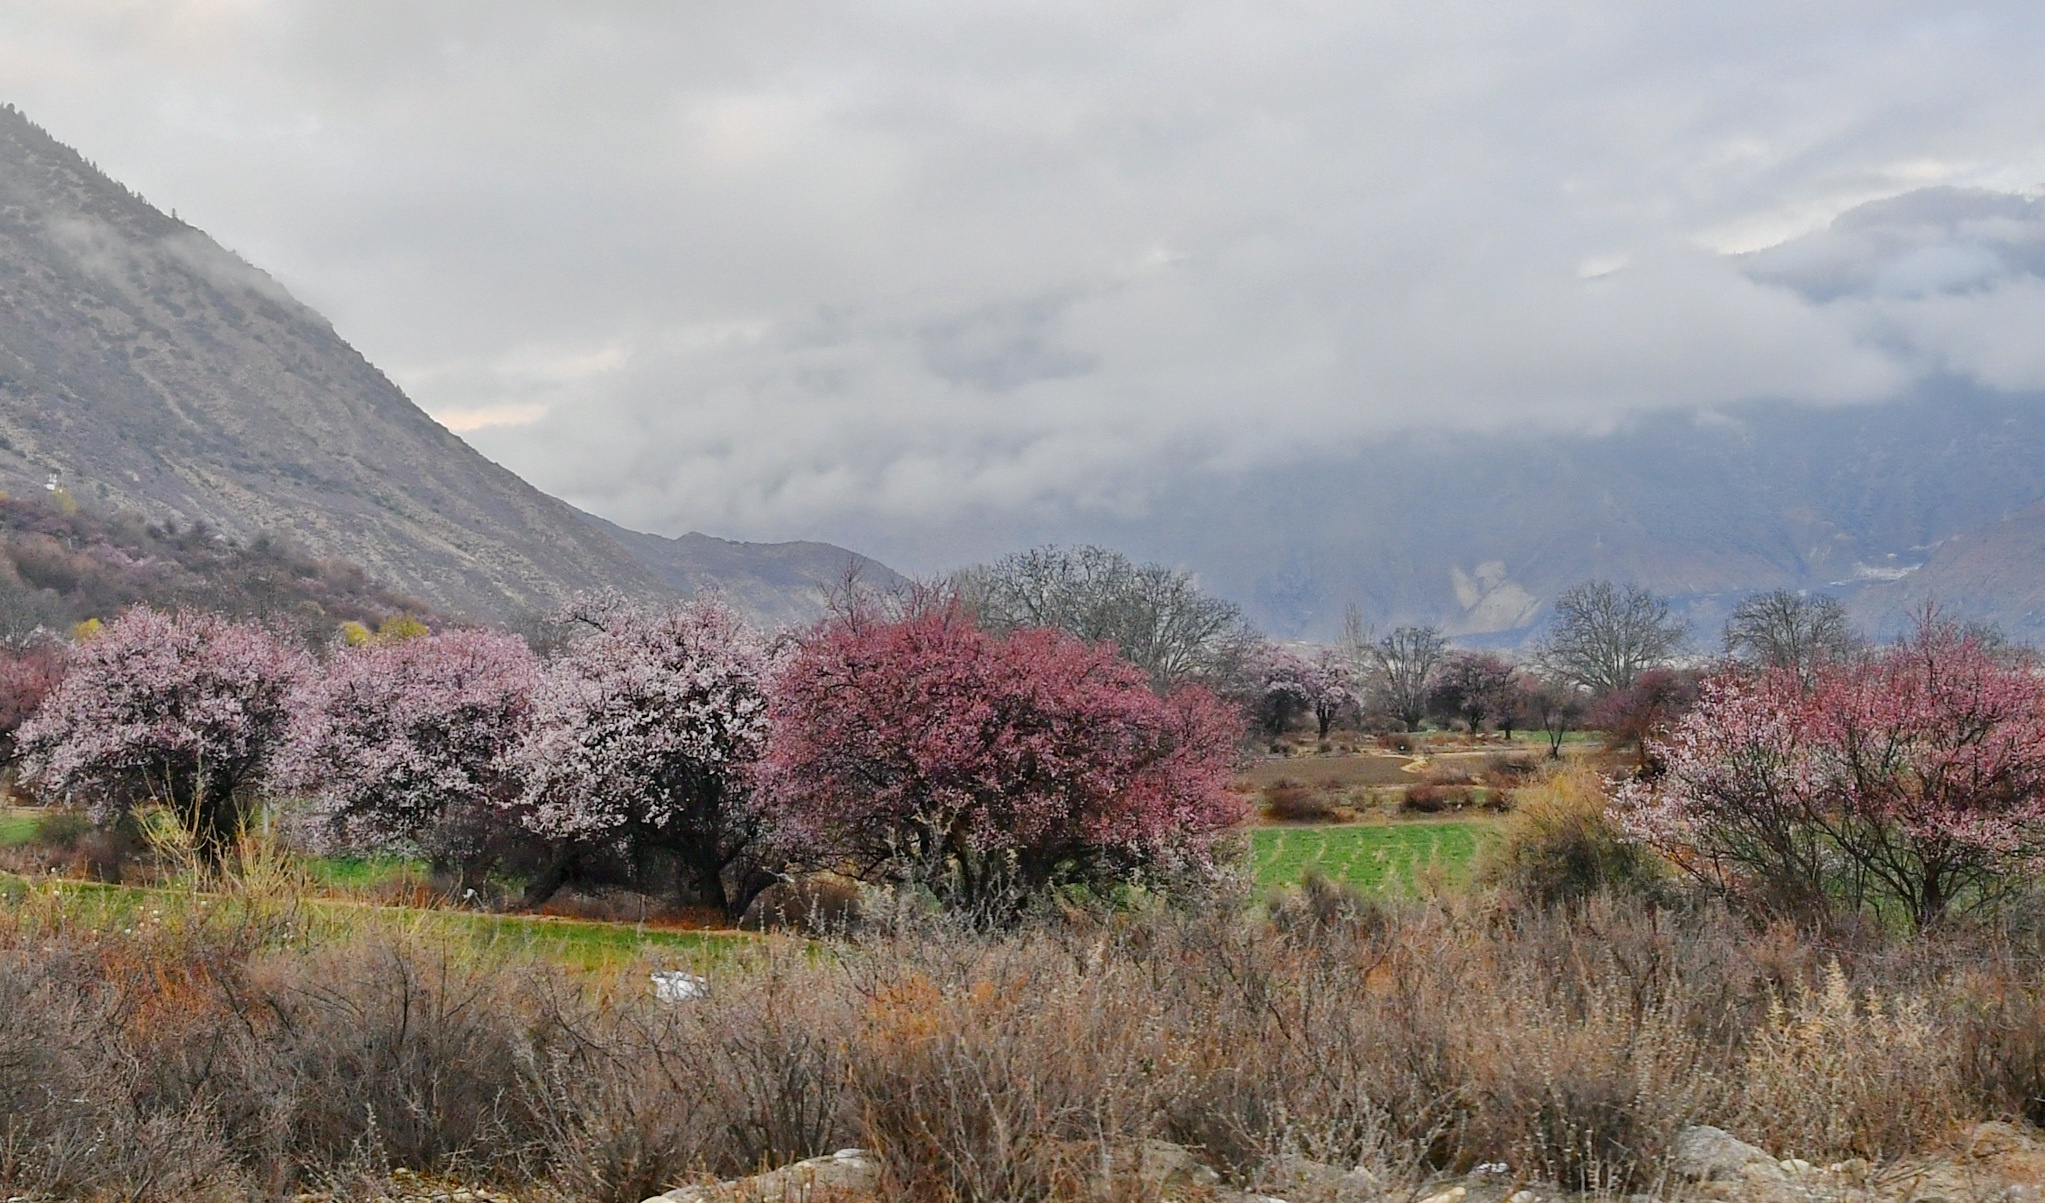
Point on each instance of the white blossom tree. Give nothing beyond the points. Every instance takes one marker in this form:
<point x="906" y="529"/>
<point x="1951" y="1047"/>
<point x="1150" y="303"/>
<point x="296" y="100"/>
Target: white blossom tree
<point x="183" y="709"/>
<point x="644" y="731"/>
<point x="406" y="745"/>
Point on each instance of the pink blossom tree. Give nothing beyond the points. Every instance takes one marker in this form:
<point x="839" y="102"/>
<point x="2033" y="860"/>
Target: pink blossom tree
<point x="183" y="709"/>
<point x="645" y="730"/>
<point x="27" y="675"/>
<point x="988" y="768"/>
<point x="1912" y="781"/>
<point x="406" y="744"/>
<point x="1320" y="683"/>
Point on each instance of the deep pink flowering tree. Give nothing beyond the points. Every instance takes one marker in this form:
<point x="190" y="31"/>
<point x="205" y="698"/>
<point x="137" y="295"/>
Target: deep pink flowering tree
<point x="989" y="768"/>
<point x="1911" y="781"/>
<point x="184" y="709"/>
<point x="645" y="731"/>
<point x="27" y="675"/>
<point x="406" y="745"/>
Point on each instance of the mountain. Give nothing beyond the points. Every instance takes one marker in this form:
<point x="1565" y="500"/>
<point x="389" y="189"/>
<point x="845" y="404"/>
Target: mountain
<point x="1882" y="505"/>
<point x="778" y="583"/>
<point x="145" y="368"/>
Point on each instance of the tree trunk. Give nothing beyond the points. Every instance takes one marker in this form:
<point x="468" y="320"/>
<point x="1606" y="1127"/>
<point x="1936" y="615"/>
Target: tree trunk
<point x="551" y="878"/>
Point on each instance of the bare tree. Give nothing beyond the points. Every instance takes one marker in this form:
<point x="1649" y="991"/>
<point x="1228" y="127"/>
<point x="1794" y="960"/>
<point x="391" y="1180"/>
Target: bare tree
<point x="1604" y="637"/>
<point x="1781" y="629"/>
<point x="1558" y="707"/>
<point x="1158" y="617"/>
<point x="1397" y="671"/>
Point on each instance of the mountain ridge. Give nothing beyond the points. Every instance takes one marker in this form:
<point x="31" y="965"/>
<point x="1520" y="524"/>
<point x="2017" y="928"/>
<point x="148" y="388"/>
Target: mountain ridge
<point x="144" y="367"/>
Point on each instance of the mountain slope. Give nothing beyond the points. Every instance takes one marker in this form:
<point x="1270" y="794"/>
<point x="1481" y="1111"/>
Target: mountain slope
<point x="778" y="583"/>
<point x="143" y="367"/>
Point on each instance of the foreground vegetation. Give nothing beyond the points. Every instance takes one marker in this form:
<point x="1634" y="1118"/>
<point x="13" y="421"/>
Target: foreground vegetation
<point x="194" y="1056"/>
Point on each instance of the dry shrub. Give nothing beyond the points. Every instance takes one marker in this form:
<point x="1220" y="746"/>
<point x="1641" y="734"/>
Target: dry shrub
<point x="1290" y="801"/>
<point x="1505" y="770"/>
<point x="1833" y="1073"/>
<point x="216" y="1056"/>
<point x="1429" y="798"/>
<point x="816" y="904"/>
<point x="1399" y="742"/>
<point x="1562" y="845"/>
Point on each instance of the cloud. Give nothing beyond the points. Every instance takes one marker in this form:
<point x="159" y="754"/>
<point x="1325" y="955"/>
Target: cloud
<point x="782" y="269"/>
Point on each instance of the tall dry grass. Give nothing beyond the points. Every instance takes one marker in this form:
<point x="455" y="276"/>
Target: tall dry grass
<point x="218" y="1054"/>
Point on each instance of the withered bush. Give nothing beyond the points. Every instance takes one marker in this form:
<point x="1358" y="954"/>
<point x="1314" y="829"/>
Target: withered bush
<point x="202" y="1059"/>
<point x="1429" y="798"/>
<point x="1563" y="845"/>
<point x="1290" y="801"/>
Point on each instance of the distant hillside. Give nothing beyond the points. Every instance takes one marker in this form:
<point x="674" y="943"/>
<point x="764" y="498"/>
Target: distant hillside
<point x="145" y="368"/>
<point x="60" y="565"/>
<point x="777" y="583"/>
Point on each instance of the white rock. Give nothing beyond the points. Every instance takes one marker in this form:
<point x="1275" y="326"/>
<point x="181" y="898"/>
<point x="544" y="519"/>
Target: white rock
<point x="1523" y="1196"/>
<point x="1453" y="1194"/>
<point x="678" y="985"/>
<point x="1795" y="1165"/>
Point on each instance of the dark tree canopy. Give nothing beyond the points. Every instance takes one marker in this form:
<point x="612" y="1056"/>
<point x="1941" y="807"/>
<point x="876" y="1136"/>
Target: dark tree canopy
<point x="1157" y="617"/>
<point x="1604" y="636"/>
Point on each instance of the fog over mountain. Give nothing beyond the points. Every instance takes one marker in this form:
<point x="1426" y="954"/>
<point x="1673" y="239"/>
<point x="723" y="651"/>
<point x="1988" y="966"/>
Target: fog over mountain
<point x="1431" y="307"/>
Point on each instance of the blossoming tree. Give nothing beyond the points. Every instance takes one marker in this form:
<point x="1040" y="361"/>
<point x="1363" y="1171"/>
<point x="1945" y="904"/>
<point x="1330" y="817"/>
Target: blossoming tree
<point x="183" y="709"/>
<point x="1910" y="781"/>
<point x="987" y="767"/>
<point x="644" y="731"/>
<point x="1321" y="684"/>
<point x="405" y="744"/>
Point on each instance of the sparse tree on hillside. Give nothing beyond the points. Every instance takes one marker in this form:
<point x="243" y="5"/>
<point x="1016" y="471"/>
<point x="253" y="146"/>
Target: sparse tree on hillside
<point x="406" y="744"/>
<point x="1781" y="629"/>
<point x="989" y="767"/>
<point x="1156" y="617"/>
<point x="1397" y="671"/>
<point x="1910" y="781"/>
<point x="644" y="735"/>
<point x="181" y="709"/>
<point x="1603" y="637"/>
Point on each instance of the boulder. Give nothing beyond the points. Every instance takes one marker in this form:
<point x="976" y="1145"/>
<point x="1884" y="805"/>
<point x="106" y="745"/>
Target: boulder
<point x="1703" y="1153"/>
<point x="847" y="1174"/>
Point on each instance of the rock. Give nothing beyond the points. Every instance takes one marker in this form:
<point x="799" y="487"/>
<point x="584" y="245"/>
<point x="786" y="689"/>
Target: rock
<point x="1165" y="1164"/>
<point x="1703" y="1153"/>
<point x="678" y="985"/>
<point x="1523" y="1196"/>
<point x="1453" y="1194"/>
<point x="1795" y="1166"/>
<point x="1308" y="1181"/>
<point x="1996" y="1139"/>
<point x="847" y="1173"/>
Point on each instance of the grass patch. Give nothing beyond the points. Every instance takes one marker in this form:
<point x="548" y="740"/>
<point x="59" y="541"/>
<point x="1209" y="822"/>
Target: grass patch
<point x="576" y="943"/>
<point x="1382" y="857"/>
<point x="17" y="825"/>
<point x="361" y="873"/>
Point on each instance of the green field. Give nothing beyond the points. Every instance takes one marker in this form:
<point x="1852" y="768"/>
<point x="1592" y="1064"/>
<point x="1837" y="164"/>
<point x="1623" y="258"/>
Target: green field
<point x="1387" y="857"/>
<point x="17" y="826"/>
<point x="578" y="943"/>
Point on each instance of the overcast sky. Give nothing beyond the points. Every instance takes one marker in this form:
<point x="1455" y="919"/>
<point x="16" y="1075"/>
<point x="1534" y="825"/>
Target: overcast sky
<point x="773" y="269"/>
